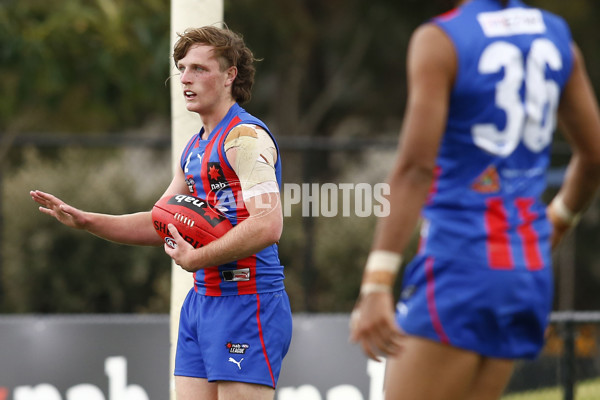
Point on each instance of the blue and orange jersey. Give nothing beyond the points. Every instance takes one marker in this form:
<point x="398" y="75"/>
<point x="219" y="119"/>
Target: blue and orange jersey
<point x="210" y="176"/>
<point x="485" y="205"/>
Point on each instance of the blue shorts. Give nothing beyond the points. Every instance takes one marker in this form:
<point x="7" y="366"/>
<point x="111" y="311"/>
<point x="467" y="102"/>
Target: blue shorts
<point x="496" y="313"/>
<point x="240" y="338"/>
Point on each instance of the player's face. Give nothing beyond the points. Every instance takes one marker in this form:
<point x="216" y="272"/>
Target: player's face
<point x="203" y="83"/>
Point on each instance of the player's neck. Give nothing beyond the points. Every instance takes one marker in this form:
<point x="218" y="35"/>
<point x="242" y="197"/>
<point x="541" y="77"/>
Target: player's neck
<point x="211" y="119"/>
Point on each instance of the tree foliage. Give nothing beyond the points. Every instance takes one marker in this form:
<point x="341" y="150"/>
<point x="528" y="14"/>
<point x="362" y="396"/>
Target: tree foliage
<point x="82" y="66"/>
<point x="98" y="65"/>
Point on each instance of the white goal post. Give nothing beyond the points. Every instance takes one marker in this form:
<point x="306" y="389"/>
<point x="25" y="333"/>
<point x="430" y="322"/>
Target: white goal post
<point x="184" y="14"/>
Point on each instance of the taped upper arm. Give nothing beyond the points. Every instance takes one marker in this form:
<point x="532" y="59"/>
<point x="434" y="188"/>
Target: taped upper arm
<point x="252" y="154"/>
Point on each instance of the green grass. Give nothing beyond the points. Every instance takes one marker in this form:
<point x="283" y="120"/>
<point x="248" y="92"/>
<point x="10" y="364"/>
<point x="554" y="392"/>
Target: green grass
<point x="585" y="390"/>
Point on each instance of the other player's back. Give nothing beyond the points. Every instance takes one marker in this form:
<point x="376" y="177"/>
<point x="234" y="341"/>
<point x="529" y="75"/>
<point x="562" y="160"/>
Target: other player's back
<point x="512" y="64"/>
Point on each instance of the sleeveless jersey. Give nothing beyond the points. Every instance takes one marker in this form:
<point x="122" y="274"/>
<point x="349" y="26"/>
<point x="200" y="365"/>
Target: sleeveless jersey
<point x="485" y="206"/>
<point x="210" y="176"/>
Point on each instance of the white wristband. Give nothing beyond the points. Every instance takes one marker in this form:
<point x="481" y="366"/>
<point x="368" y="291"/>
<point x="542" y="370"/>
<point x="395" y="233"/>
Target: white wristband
<point x="383" y="260"/>
<point x="562" y="211"/>
<point x="368" y="288"/>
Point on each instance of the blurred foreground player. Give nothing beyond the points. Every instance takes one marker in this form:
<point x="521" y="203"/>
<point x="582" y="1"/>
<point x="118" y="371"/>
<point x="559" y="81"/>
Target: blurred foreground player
<point x="487" y="82"/>
<point x="235" y="324"/>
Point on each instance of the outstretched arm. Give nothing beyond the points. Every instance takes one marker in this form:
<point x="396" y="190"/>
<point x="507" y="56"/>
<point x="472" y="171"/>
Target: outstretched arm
<point x="133" y="229"/>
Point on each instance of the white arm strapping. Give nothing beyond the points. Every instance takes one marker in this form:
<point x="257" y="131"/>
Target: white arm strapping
<point x="383" y="260"/>
<point x="562" y="211"/>
<point x="254" y="156"/>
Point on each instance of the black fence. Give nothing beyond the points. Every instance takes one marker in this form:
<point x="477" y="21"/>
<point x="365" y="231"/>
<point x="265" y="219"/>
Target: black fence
<point x="569" y="366"/>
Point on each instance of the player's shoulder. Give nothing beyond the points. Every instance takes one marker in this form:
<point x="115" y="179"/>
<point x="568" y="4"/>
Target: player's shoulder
<point x="241" y="130"/>
<point x="428" y="33"/>
<point x="431" y="46"/>
<point x="556" y="23"/>
<point x="246" y="130"/>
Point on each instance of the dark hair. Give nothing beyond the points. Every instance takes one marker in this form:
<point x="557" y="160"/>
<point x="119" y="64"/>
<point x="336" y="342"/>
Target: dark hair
<point x="503" y="3"/>
<point x="230" y="50"/>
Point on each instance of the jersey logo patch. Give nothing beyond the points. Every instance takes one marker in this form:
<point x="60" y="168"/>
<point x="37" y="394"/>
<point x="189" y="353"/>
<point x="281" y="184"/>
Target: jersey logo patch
<point x="237" y="348"/>
<point x="189" y="181"/>
<point x="236" y="275"/>
<point x="512" y="21"/>
<point x="236" y="362"/>
<point x="488" y="181"/>
<point x="216" y="177"/>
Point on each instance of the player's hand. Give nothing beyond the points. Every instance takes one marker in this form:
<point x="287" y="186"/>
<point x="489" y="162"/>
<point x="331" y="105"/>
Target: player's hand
<point x="559" y="227"/>
<point x="55" y="207"/>
<point x="373" y="326"/>
<point x="182" y="252"/>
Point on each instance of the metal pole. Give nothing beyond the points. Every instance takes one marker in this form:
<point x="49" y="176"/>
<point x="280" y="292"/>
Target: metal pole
<point x="6" y="142"/>
<point x="308" y="227"/>
<point x="566" y="273"/>
<point x="568" y="361"/>
<point x="566" y="302"/>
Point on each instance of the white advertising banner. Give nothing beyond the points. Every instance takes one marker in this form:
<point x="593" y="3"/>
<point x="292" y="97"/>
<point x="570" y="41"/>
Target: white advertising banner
<point x="126" y="357"/>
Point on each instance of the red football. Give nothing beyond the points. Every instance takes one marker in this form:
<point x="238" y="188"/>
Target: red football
<point x="197" y="222"/>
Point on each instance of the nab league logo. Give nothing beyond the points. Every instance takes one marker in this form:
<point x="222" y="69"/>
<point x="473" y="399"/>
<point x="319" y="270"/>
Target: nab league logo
<point x="237" y="348"/>
<point x="216" y="177"/>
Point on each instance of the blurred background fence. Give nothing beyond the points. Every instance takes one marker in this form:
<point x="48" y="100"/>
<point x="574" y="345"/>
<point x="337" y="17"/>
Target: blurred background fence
<point x="323" y="245"/>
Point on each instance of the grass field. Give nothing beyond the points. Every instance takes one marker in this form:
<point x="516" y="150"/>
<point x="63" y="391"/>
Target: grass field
<point x="585" y="390"/>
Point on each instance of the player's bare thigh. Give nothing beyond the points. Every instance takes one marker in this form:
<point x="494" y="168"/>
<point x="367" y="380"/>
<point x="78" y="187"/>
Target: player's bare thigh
<point x="244" y="391"/>
<point x="188" y="388"/>
<point x="200" y="389"/>
<point x="491" y="380"/>
<point x="428" y="370"/>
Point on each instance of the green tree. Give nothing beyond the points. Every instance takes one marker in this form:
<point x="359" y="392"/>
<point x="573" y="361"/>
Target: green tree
<point x="82" y="66"/>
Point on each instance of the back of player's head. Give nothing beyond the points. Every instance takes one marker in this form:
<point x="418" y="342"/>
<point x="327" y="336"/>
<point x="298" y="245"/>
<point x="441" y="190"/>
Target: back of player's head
<point x="229" y="49"/>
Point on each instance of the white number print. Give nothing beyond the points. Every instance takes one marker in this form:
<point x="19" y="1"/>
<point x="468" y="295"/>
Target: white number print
<point x="533" y="120"/>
